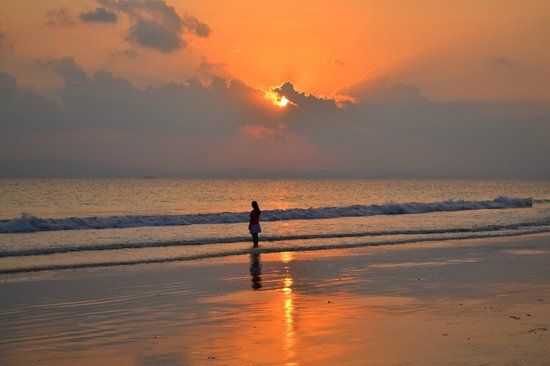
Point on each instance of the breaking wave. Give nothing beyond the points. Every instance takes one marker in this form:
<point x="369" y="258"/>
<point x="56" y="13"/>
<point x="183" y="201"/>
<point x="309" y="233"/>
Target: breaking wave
<point x="29" y="223"/>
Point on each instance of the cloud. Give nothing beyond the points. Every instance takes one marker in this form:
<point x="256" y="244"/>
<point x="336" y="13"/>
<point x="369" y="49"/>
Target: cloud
<point x="424" y="138"/>
<point x="67" y="68"/>
<point x="8" y="87"/>
<point x="99" y="15"/>
<point x="104" y="101"/>
<point x="207" y="69"/>
<point x="196" y="26"/>
<point x="390" y="129"/>
<point x="155" y="24"/>
<point x="318" y="119"/>
<point x="60" y="17"/>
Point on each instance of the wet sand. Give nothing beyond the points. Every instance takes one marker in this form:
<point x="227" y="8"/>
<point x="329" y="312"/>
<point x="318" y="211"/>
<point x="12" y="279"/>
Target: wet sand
<point x="464" y="302"/>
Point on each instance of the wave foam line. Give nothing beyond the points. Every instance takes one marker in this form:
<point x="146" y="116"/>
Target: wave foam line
<point x="244" y="251"/>
<point x="237" y="239"/>
<point x="28" y="223"/>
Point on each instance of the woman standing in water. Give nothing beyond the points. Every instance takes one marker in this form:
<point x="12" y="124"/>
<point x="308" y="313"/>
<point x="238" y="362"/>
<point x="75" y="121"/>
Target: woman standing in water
<point x="254" y="225"/>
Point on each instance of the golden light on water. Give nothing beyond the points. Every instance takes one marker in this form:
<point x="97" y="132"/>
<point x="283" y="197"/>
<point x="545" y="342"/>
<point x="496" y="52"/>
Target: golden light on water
<point x="288" y="286"/>
<point x="286" y="258"/>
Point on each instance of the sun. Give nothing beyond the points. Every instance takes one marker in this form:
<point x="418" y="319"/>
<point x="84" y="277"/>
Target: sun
<point x="276" y="99"/>
<point x="283" y="102"/>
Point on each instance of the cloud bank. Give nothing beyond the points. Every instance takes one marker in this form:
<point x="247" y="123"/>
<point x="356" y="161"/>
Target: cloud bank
<point x="99" y="15"/>
<point x="375" y="128"/>
<point x="154" y="24"/>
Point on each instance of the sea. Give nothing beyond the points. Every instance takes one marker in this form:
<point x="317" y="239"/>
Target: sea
<point x="60" y="224"/>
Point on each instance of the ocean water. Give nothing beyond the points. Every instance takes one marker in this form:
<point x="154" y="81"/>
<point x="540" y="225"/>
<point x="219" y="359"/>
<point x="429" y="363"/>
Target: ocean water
<point x="61" y="224"/>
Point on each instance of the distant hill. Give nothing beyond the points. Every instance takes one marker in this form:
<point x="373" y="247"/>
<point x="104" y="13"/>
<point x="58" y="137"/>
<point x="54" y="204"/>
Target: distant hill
<point x="265" y="174"/>
<point x="60" y="168"/>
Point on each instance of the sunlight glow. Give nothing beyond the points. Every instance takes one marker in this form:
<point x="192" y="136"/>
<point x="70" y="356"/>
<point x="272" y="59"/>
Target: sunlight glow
<point x="283" y="101"/>
<point x="276" y="99"/>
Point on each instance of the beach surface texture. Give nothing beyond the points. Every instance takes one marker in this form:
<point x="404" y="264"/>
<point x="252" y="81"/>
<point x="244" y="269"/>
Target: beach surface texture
<point x="453" y="302"/>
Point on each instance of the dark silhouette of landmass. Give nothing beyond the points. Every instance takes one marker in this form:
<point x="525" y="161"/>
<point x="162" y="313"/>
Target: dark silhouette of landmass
<point x="42" y="167"/>
<point x="60" y="168"/>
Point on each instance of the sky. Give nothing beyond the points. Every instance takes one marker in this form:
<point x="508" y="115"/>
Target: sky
<point x="405" y="89"/>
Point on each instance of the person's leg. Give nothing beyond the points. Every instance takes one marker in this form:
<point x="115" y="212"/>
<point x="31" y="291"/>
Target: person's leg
<point x="255" y="239"/>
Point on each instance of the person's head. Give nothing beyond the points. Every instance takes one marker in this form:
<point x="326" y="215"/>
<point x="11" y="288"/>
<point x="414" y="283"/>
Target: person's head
<point x="255" y="206"/>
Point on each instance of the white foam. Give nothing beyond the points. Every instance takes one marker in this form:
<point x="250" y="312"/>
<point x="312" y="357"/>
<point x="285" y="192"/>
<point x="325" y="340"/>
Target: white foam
<point x="30" y="223"/>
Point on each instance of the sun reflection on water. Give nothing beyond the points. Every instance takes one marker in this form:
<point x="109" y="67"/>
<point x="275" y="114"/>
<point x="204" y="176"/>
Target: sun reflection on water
<point x="289" y="309"/>
<point x="287" y="257"/>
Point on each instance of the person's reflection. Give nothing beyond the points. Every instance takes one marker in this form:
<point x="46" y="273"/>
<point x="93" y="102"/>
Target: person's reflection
<point x="255" y="269"/>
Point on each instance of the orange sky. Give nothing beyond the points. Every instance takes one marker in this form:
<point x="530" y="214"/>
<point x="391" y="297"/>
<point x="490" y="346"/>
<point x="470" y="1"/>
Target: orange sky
<point x="451" y="50"/>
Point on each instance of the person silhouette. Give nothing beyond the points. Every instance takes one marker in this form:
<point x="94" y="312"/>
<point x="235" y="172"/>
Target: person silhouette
<point x="255" y="270"/>
<point x="254" y="225"/>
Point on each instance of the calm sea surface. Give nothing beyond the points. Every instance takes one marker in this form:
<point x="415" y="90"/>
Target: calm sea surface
<point x="57" y="224"/>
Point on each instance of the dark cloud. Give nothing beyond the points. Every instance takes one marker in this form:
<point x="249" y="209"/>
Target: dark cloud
<point x="155" y="24"/>
<point x="66" y="68"/>
<point x="424" y="138"/>
<point x="104" y="101"/>
<point x="392" y="130"/>
<point x="8" y="87"/>
<point x="389" y="130"/>
<point x="164" y="37"/>
<point x="209" y="69"/>
<point x="60" y="17"/>
<point x="99" y="15"/>
<point x="196" y="26"/>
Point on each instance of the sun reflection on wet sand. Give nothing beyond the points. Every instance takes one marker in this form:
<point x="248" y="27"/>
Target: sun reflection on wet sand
<point x="286" y="258"/>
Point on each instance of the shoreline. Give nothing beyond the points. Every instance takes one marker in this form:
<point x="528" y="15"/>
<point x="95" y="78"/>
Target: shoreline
<point x="469" y="301"/>
<point x="245" y="251"/>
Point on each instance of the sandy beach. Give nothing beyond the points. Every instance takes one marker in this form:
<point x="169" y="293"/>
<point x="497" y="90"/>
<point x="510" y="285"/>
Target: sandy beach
<point x="463" y="302"/>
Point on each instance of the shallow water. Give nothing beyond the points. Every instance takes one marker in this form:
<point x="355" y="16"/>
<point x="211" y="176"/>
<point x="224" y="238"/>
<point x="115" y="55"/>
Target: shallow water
<point x="360" y="213"/>
<point x="107" y="197"/>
